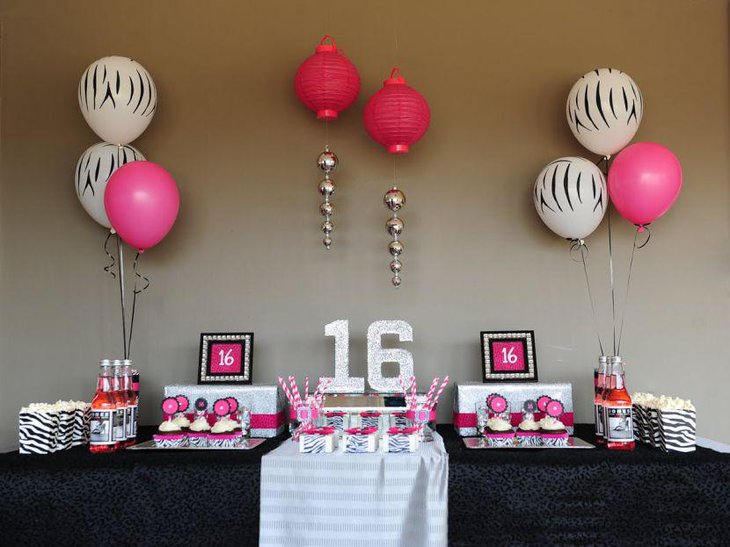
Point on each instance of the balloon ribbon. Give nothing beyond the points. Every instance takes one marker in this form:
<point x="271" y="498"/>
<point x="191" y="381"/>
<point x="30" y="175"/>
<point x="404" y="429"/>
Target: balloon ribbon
<point x="135" y="292"/>
<point x="579" y="244"/>
<point x="628" y="279"/>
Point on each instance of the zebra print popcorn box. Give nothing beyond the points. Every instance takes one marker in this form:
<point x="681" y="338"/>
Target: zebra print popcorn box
<point x="37" y="431"/>
<point x="400" y="440"/>
<point x="82" y="422"/>
<point x="360" y="440"/>
<point x="65" y="429"/>
<point x="640" y="424"/>
<point x="677" y="430"/>
<point x="318" y="440"/>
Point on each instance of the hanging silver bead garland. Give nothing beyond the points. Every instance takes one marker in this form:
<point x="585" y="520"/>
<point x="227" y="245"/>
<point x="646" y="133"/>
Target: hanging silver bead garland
<point x="327" y="162"/>
<point x="395" y="200"/>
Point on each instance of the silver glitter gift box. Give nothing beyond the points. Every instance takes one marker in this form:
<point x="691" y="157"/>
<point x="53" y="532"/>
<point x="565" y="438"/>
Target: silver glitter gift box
<point x="265" y="401"/>
<point x="468" y="394"/>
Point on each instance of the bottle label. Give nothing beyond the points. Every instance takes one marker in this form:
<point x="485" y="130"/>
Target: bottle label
<point x="598" y="419"/>
<point x="135" y="411"/>
<point x="619" y="423"/>
<point x="118" y="433"/>
<point x="128" y="422"/>
<point x="101" y="427"/>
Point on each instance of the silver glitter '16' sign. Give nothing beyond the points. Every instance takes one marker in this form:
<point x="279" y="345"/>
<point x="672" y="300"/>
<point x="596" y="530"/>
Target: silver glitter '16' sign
<point x="377" y="355"/>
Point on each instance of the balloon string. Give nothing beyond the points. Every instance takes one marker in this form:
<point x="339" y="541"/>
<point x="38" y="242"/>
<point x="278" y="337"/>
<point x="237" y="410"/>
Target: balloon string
<point x="122" y="297"/>
<point x="628" y="283"/>
<point x="109" y="268"/>
<point x="580" y="245"/>
<point x="610" y="265"/>
<point x="135" y="292"/>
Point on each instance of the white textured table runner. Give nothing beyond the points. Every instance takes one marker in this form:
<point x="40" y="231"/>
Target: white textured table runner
<point x="355" y="499"/>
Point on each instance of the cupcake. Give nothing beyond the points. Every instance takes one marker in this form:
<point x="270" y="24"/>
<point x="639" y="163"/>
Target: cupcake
<point x="222" y="435"/>
<point x="499" y="432"/>
<point x="169" y="435"/>
<point x="553" y="432"/>
<point x="182" y="421"/>
<point x="199" y="432"/>
<point x="528" y="433"/>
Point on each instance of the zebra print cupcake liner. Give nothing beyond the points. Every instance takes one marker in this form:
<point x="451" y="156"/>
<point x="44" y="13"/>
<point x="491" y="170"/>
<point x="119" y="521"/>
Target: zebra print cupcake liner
<point x="169" y="441"/>
<point x="555" y="440"/>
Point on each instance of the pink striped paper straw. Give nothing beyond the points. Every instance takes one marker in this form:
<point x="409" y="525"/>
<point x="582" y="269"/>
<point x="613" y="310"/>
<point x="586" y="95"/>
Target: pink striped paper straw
<point x="438" y="393"/>
<point x="306" y="388"/>
<point x="286" y="391"/>
<point x="431" y="391"/>
<point x="403" y="387"/>
<point x="414" y="387"/>
<point x="295" y="390"/>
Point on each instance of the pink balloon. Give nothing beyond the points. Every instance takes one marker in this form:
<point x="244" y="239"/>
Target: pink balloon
<point x="141" y="200"/>
<point x="644" y="182"/>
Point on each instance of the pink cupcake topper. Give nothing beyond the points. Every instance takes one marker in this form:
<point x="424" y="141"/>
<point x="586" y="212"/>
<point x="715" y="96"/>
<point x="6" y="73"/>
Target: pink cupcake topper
<point x="221" y="407"/>
<point x="170" y="405"/>
<point x="542" y="402"/>
<point x="232" y="405"/>
<point x="183" y="403"/>
<point x="497" y="403"/>
<point x="554" y="408"/>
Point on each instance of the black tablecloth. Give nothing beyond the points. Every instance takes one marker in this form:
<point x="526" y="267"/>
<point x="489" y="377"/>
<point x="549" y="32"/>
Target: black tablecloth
<point x="132" y="497"/>
<point x="595" y="497"/>
<point x="495" y="497"/>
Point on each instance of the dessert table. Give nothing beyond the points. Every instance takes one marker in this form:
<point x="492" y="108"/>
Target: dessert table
<point x="355" y="499"/>
<point x="494" y="497"/>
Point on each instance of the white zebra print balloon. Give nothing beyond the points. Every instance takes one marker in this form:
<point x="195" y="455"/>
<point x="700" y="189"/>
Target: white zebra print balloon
<point x="117" y="98"/>
<point x="604" y="110"/>
<point x="571" y="197"/>
<point x="93" y="170"/>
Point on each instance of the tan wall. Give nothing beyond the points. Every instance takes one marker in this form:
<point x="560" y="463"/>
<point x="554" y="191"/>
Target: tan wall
<point x="245" y="253"/>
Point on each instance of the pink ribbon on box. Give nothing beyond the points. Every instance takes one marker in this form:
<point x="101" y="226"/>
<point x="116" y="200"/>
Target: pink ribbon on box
<point x="319" y="431"/>
<point x="370" y="414"/>
<point x="361" y="431"/>
<point x="469" y="419"/>
<point x="258" y="421"/>
<point x="402" y="430"/>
